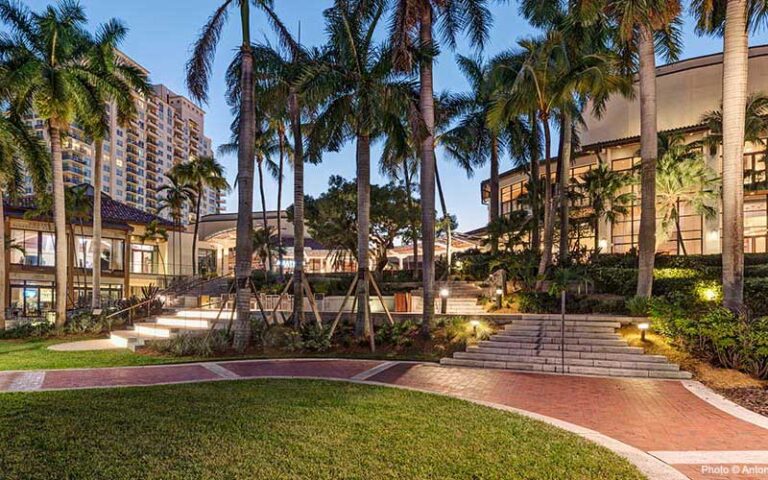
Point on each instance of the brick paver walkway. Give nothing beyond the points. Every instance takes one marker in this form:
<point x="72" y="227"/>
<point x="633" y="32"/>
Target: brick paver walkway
<point x="660" y="417"/>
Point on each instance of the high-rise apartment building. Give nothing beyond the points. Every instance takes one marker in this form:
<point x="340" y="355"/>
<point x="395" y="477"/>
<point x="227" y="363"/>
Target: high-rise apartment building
<point x="168" y="129"/>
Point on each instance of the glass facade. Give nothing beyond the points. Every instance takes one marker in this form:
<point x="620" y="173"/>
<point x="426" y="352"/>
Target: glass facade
<point x="33" y="248"/>
<point x="145" y="259"/>
<point x="30" y="299"/>
<point x="111" y="253"/>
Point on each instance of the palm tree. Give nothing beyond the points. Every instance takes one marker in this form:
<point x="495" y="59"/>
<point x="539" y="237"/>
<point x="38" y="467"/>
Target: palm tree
<point x="683" y="179"/>
<point x="20" y="150"/>
<point x="280" y="72"/>
<point x="201" y="173"/>
<point x="474" y="141"/>
<point x="361" y="90"/>
<point x="120" y="79"/>
<point x="156" y="234"/>
<point x="641" y="25"/>
<point x="413" y="23"/>
<point x="199" y="69"/>
<point x="178" y="195"/>
<point x="755" y="124"/>
<point x="264" y="246"/>
<point x="52" y="77"/>
<point x="607" y="195"/>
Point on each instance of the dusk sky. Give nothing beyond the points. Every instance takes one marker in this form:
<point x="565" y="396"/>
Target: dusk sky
<point x="161" y="32"/>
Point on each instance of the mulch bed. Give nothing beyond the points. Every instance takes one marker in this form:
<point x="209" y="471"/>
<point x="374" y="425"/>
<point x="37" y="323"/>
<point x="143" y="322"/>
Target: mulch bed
<point x="755" y="399"/>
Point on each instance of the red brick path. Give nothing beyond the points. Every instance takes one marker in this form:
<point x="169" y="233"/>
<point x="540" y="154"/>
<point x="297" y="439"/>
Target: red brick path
<point x="651" y="415"/>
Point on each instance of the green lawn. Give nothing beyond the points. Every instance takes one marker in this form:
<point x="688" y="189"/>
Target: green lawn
<point x="33" y="354"/>
<point x="283" y="429"/>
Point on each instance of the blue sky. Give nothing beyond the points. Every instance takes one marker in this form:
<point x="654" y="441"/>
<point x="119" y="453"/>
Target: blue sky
<point x="162" y="31"/>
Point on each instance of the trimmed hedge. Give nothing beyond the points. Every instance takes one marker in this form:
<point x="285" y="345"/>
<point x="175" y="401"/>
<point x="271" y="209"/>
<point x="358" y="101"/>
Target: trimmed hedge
<point x="544" y="302"/>
<point x="628" y="260"/>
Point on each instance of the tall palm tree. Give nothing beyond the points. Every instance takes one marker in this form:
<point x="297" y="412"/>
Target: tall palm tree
<point x="755" y="123"/>
<point x="199" y="69"/>
<point x="156" y="234"/>
<point x="202" y="173"/>
<point x="606" y="193"/>
<point x="361" y="90"/>
<point x="280" y="73"/>
<point x="176" y="195"/>
<point x="264" y="246"/>
<point x="52" y="77"/>
<point x="641" y="26"/>
<point x="732" y="20"/>
<point x="683" y="179"/>
<point x="120" y="79"/>
<point x="414" y="23"/>
<point x="20" y="150"/>
<point x="475" y="141"/>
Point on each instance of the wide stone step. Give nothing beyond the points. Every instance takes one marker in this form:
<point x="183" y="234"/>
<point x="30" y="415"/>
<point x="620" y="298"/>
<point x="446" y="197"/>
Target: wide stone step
<point x="558" y="328"/>
<point x="153" y="330"/>
<point x="573" y="347"/>
<point x="126" y="339"/>
<point x="637" y="364"/>
<point x="225" y="314"/>
<point x="185" y="322"/>
<point x="578" y="317"/>
<point x="552" y="337"/>
<point x="629" y="356"/>
<point x="568" y="323"/>
<point x="571" y="369"/>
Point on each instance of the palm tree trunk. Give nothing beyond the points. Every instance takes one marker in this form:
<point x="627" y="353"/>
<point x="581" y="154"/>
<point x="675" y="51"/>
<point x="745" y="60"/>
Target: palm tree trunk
<point x="427" y="108"/>
<point x="244" y="242"/>
<point x="298" y="207"/>
<point x="535" y="233"/>
<point x="281" y="136"/>
<point x="549" y="214"/>
<point x="3" y="253"/>
<point x="735" y="65"/>
<point x="96" y="241"/>
<point x="198" y="204"/>
<point x="680" y="241"/>
<point x="494" y="201"/>
<point x="446" y="218"/>
<point x="494" y="207"/>
<point x="60" y="224"/>
<point x="565" y="179"/>
<point x="362" y="326"/>
<point x="596" y="229"/>
<point x="414" y="228"/>
<point x="648" y="153"/>
<point x="268" y="265"/>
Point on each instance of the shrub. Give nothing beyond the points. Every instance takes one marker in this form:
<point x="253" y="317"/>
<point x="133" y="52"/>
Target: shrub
<point x="213" y="343"/>
<point x="638" y="306"/>
<point x="537" y="302"/>
<point x="401" y="334"/>
<point x="459" y="330"/>
<point x="27" y="330"/>
<point x="284" y="337"/>
<point x="756" y="296"/>
<point x="314" y="337"/>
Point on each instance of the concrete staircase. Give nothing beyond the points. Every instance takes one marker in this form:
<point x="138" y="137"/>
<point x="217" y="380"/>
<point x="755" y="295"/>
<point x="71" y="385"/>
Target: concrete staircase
<point x="167" y="326"/>
<point x="462" y="300"/>
<point x="591" y="347"/>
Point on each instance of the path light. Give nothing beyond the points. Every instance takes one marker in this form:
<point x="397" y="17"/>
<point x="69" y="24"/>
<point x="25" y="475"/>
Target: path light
<point x="643" y="327"/>
<point x="162" y="299"/>
<point x="444" y="293"/>
<point x="499" y="295"/>
<point x="709" y="294"/>
<point x="475" y="324"/>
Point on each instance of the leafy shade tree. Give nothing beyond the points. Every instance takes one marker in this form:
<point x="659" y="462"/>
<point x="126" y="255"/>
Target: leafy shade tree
<point x="683" y="180"/>
<point x="201" y="174"/>
<point x="641" y="26"/>
<point x="119" y="80"/>
<point x="608" y="196"/>
<point x="414" y="23"/>
<point x="199" y="70"/>
<point x="48" y="54"/>
<point x="175" y="196"/>
<point x="332" y="221"/>
<point x="20" y="150"/>
<point x="359" y="89"/>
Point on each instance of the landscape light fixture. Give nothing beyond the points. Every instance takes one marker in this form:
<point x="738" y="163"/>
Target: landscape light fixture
<point x="709" y="294"/>
<point x="643" y="328"/>
<point x="444" y="293"/>
<point x="475" y="324"/>
<point x="499" y="295"/>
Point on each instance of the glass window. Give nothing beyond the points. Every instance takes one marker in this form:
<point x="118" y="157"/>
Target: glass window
<point x="143" y="258"/>
<point x="48" y="250"/>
